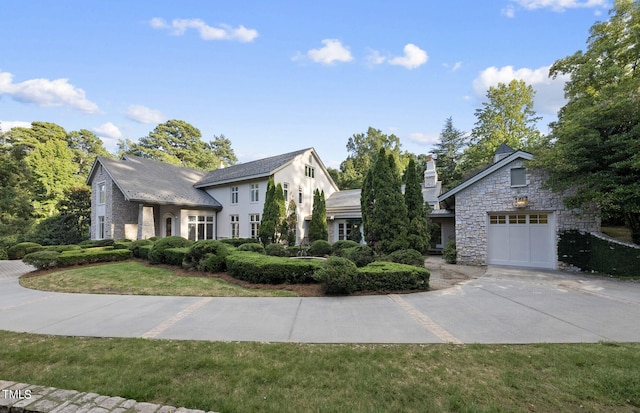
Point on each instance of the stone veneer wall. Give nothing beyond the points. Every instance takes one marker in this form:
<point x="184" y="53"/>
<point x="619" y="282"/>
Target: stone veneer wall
<point x="123" y="212"/>
<point x="495" y="194"/>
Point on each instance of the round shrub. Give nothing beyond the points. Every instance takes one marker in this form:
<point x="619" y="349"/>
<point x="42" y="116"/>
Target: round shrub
<point x="338" y="246"/>
<point x="277" y="250"/>
<point x="135" y="247"/>
<point x="157" y="254"/>
<point x="450" y="253"/>
<point x="212" y="251"/>
<point x="18" y="251"/>
<point x="360" y="255"/>
<point x="252" y="247"/>
<point x="409" y="257"/>
<point x="320" y="248"/>
<point x="337" y="275"/>
<point x="42" y="259"/>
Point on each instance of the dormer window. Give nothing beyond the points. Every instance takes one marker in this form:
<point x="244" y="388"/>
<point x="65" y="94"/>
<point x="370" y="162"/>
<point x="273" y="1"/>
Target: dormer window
<point x="518" y="177"/>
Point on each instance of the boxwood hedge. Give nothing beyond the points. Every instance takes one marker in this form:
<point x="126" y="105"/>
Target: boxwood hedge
<point x="391" y="276"/>
<point x="265" y="269"/>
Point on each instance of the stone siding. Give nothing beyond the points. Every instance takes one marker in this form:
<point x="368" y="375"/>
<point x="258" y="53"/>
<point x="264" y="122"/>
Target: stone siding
<point x="494" y="193"/>
<point x="123" y="214"/>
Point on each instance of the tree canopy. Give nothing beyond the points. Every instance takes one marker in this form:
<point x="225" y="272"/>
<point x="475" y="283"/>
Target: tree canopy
<point x="448" y="151"/>
<point x="506" y="117"/>
<point x="597" y="134"/>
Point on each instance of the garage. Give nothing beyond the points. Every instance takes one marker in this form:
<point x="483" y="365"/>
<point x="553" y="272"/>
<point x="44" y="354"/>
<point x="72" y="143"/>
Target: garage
<point x="521" y="239"/>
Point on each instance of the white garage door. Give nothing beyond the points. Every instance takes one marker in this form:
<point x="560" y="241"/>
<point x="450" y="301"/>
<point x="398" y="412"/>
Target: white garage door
<point x="525" y="240"/>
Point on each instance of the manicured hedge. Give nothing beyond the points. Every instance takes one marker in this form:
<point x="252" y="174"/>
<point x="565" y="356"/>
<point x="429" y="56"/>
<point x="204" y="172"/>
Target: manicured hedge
<point x="136" y="245"/>
<point x="338" y="246"/>
<point x="264" y="269"/>
<point x="252" y="247"/>
<point x="18" y="251"/>
<point x="236" y="242"/>
<point x="144" y="251"/>
<point x="175" y="256"/>
<point x="91" y="255"/>
<point x="360" y="255"/>
<point x="590" y="253"/>
<point x="42" y="259"/>
<point x="391" y="276"/>
<point x="338" y="276"/>
<point x="320" y="248"/>
<point x="408" y="256"/>
<point x="212" y="251"/>
<point x="96" y="243"/>
<point x="158" y="255"/>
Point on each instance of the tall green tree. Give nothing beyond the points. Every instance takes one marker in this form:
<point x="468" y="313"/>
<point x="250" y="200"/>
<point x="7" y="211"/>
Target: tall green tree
<point x="448" y="152"/>
<point x="596" y="153"/>
<point x="383" y="207"/>
<point x="318" y="229"/>
<point x="506" y="117"/>
<point x="70" y="225"/>
<point x="16" y="207"/>
<point x="363" y="148"/>
<point x="180" y="143"/>
<point x="86" y="146"/>
<point x="272" y="213"/>
<point x="418" y="232"/>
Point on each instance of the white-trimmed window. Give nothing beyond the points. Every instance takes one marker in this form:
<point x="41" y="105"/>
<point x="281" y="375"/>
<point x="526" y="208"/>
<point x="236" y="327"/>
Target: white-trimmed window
<point x="235" y="226"/>
<point x="102" y="193"/>
<point x="344" y="230"/>
<point x="285" y="190"/>
<point x="234" y="194"/>
<point x="200" y="227"/>
<point x="101" y="228"/>
<point x="518" y="177"/>
<point x="309" y="171"/>
<point x="255" y="193"/>
<point x="300" y="195"/>
<point x="254" y="225"/>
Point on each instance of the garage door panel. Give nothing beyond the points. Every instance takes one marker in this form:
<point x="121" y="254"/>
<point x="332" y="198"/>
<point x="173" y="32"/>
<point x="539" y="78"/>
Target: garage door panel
<point x="521" y="240"/>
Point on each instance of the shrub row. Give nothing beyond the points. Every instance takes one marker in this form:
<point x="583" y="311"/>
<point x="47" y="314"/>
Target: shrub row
<point x="50" y="258"/>
<point x="264" y="269"/>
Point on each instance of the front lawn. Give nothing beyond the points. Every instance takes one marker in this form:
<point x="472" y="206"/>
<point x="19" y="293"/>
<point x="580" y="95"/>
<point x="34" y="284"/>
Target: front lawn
<point x="262" y="377"/>
<point x="134" y="277"/>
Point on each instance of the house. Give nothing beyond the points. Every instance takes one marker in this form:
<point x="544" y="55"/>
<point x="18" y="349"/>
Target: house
<point x="503" y="215"/>
<point x="138" y="198"/>
<point x="345" y="215"/>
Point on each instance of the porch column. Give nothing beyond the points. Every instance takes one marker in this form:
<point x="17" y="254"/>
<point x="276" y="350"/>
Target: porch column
<point x="146" y="222"/>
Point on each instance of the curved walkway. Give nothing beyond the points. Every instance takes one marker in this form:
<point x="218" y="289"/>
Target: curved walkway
<point x="506" y="305"/>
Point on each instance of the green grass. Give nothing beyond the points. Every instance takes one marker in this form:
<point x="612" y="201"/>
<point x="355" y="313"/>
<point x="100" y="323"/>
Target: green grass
<point x="252" y="377"/>
<point x="620" y="233"/>
<point x="132" y="277"/>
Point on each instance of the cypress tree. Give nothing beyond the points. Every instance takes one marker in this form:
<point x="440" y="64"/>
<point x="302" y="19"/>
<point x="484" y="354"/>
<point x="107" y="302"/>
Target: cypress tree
<point x="418" y="230"/>
<point x="267" y="231"/>
<point x="318" y="225"/>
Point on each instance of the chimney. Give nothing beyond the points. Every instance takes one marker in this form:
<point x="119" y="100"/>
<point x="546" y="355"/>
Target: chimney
<point x="430" y="174"/>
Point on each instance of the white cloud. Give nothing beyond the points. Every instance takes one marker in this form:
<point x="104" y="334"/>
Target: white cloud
<point x="424" y="138"/>
<point x="143" y="114"/>
<point x="549" y="96"/>
<point x="108" y="130"/>
<point x="46" y="93"/>
<point x="5" y="125"/>
<point x="555" y="5"/>
<point x="413" y="57"/>
<point x="333" y="51"/>
<point x="223" y="32"/>
<point x="375" y="58"/>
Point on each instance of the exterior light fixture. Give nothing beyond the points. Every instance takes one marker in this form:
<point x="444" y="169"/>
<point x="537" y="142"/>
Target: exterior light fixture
<point x="521" y="201"/>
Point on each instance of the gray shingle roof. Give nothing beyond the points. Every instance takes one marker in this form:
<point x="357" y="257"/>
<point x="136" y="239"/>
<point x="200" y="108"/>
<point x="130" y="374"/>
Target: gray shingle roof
<point x="146" y="180"/>
<point x="255" y="169"/>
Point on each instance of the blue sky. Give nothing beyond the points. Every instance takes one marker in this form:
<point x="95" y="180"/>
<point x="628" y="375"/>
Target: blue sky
<point x="280" y="75"/>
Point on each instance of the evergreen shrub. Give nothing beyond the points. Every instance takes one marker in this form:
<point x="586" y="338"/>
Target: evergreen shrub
<point x="337" y="275"/>
<point x="157" y="254"/>
<point x="62" y="248"/>
<point x="264" y="269"/>
<point x="236" y="242"/>
<point x="360" y="255"/>
<point x="276" y="250"/>
<point x="96" y="243"/>
<point x="320" y="248"/>
<point x="144" y="251"/>
<point x="88" y="256"/>
<point x="252" y="247"/>
<point x="212" y="251"/>
<point x="42" y="259"/>
<point x="409" y="257"/>
<point x="18" y="251"/>
<point x="450" y="253"/>
<point x="338" y="246"/>
<point x="391" y="276"/>
<point x="136" y="245"/>
<point x="175" y="256"/>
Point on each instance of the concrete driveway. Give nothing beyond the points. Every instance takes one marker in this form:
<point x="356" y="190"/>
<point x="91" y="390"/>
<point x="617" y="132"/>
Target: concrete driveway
<point x="506" y="305"/>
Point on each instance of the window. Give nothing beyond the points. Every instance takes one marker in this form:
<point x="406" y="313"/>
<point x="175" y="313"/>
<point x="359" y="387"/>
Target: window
<point x="309" y="171"/>
<point x="101" y="232"/>
<point x="254" y="225"/>
<point x="300" y="197"/>
<point x="101" y="192"/>
<point x="200" y="227"/>
<point x="255" y="193"/>
<point x="497" y="219"/>
<point x="344" y="230"/>
<point x="234" y="194"/>
<point x="518" y="177"/>
<point x="168" y="227"/>
<point x="285" y="190"/>
<point x="235" y="226"/>
<point x="538" y="219"/>
<point x="517" y="219"/>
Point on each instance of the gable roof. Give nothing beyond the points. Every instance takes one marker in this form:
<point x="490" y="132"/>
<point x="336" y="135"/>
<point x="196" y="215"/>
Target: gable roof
<point x="146" y="180"/>
<point x="251" y="170"/>
<point x="485" y="172"/>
